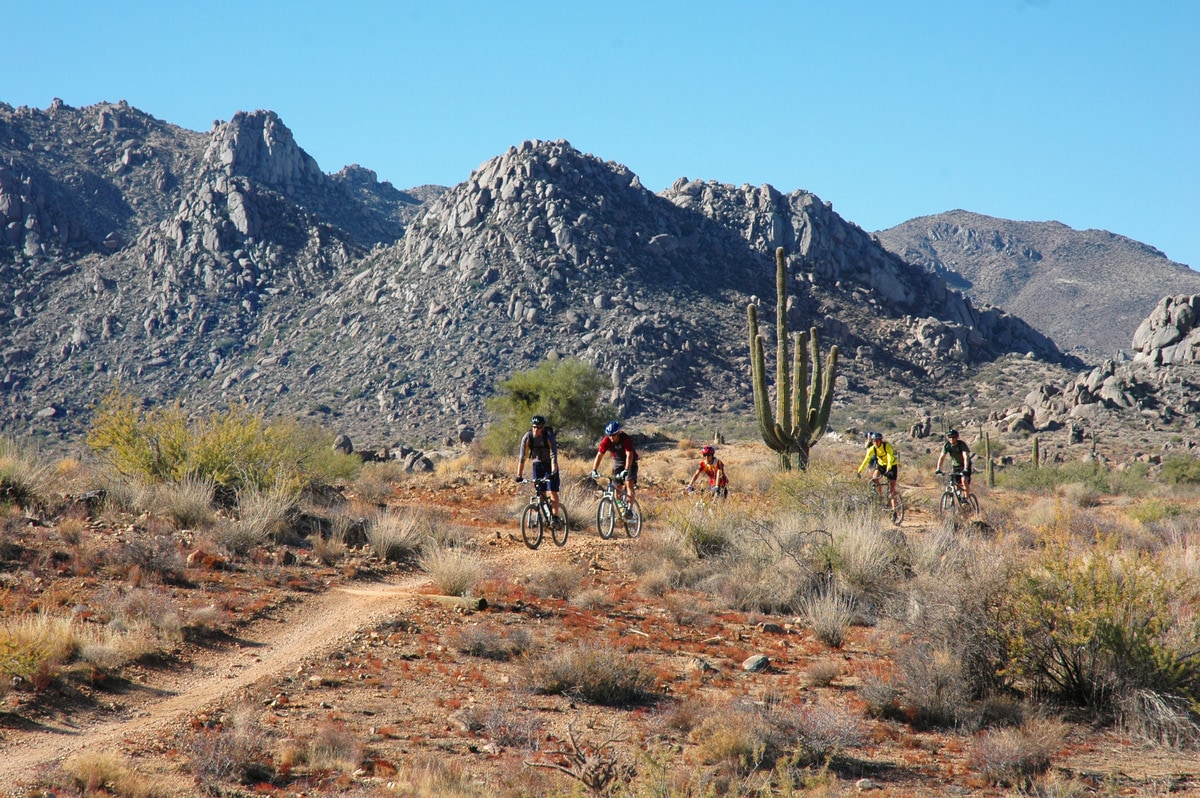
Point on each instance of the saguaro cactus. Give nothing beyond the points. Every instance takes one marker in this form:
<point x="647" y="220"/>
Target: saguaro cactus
<point x="802" y="398"/>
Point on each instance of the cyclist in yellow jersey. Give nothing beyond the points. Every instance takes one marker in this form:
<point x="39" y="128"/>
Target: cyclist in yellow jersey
<point x="883" y="456"/>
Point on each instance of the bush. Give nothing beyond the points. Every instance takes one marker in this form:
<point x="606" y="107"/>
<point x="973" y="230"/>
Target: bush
<point x="454" y="571"/>
<point x="1084" y="625"/>
<point x="22" y="477"/>
<point x="235" y="449"/>
<point x="395" y="536"/>
<point x="1014" y="755"/>
<point x="566" y="392"/>
<point x="595" y="675"/>
<point x="1181" y="469"/>
<point x="491" y="641"/>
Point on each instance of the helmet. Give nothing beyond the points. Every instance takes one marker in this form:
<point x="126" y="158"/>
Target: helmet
<point x="538" y="421"/>
<point x="612" y="428"/>
<point x="875" y="436"/>
<point x="707" y="450"/>
<point x="952" y="433"/>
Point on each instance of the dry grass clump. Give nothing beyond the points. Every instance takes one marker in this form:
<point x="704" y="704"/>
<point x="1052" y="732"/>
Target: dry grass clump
<point x="869" y="560"/>
<point x="597" y="675"/>
<point x="377" y="482"/>
<point x="830" y="614"/>
<point x="435" y="776"/>
<point x="746" y="736"/>
<point x="1014" y="755"/>
<point x="261" y="516"/>
<point x="555" y="581"/>
<point x="505" y="726"/>
<point x="334" y="746"/>
<point x="150" y="555"/>
<point x="95" y="773"/>
<point x="456" y="572"/>
<point x="146" y="611"/>
<point x="934" y="691"/>
<point x="237" y="748"/>
<point x="823" y="672"/>
<point x="34" y="649"/>
<point x="395" y="536"/>
<point x="188" y="502"/>
<point x="23" y="477"/>
<point x="491" y="641"/>
<point x="1159" y="719"/>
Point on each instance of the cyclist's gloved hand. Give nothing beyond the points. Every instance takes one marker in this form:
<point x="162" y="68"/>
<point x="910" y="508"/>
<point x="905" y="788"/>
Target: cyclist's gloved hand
<point x="624" y="475"/>
<point x="553" y="475"/>
<point x="518" y="479"/>
<point x="594" y="475"/>
<point x="939" y="472"/>
<point x="858" y="475"/>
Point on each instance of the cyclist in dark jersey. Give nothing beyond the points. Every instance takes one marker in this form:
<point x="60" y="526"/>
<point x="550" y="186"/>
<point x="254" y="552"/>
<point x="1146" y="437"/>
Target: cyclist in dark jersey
<point x="960" y="455"/>
<point x="541" y="447"/>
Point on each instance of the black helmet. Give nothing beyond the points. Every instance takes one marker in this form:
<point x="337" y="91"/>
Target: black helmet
<point x="538" y="421"/>
<point x="952" y="433"/>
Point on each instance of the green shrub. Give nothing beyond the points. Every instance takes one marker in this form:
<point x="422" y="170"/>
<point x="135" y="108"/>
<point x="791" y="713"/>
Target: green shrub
<point x="235" y="449"/>
<point x="1087" y="625"/>
<point x="1181" y="469"/>
<point x="566" y="392"/>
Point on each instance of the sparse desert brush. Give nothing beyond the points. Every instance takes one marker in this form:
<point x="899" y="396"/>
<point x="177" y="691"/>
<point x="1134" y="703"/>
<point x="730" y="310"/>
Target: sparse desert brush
<point x="1014" y="755"/>
<point x="830" y="614"/>
<point x="456" y="572"/>
<point x="96" y="773"/>
<point x="823" y="672"/>
<point x="143" y="609"/>
<point x="236" y="748"/>
<point x="377" y="481"/>
<point x="506" y="725"/>
<point x="188" y="502"/>
<point x="593" y="599"/>
<point x="597" y="675"/>
<point x="817" y="732"/>
<point x="395" y="536"/>
<point x="1159" y="719"/>
<point x="491" y="641"/>
<point x="34" y="649"/>
<point x="1155" y="509"/>
<point x="868" y="559"/>
<point x="335" y="746"/>
<point x="435" y="776"/>
<point x="261" y="515"/>
<point x="1079" y="494"/>
<point x="934" y="690"/>
<point x="70" y="530"/>
<point x="23" y="476"/>
<point x="153" y="555"/>
<point x="555" y="581"/>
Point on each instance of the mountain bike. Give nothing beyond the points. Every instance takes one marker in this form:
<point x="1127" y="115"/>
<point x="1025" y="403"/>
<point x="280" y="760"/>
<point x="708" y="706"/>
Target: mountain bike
<point x="538" y="515"/>
<point x="712" y="492"/>
<point x="614" y="505"/>
<point x="893" y="503"/>
<point x="954" y="498"/>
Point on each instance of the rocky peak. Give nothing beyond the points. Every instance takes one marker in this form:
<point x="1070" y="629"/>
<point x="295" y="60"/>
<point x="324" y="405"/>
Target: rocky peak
<point x="257" y="145"/>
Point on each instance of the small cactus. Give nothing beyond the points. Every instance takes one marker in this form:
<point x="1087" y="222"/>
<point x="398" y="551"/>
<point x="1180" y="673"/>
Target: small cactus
<point x="803" y="399"/>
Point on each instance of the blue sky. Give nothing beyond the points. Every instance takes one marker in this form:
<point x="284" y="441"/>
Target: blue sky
<point x="1085" y="112"/>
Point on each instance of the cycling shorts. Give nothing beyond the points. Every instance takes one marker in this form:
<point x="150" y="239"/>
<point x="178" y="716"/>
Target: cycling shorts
<point x="618" y="468"/>
<point x="889" y="473"/>
<point x="542" y="470"/>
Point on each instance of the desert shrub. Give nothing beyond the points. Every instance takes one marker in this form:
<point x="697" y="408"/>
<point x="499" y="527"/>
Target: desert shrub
<point x="35" y="649"/>
<point x="829" y="613"/>
<point x="237" y="747"/>
<point x="567" y="392"/>
<point x="868" y="559"/>
<point x="153" y="555"/>
<point x="1159" y="719"/>
<point x="597" y="675"/>
<point x="737" y="737"/>
<point x="95" y="773"/>
<point x="235" y="449"/>
<point x="1047" y="477"/>
<point x="1015" y="754"/>
<point x="436" y="776"/>
<point x="1180" y="469"/>
<point x="377" y="481"/>
<point x="1084" y="624"/>
<point x="262" y="514"/>
<point x="454" y="571"/>
<point x="933" y="688"/>
<point x="880" y="693"/>
<point x="188" y="502"/>
<point x="334" y="746"/>
<point x="823" y="672"/>
<point x="23" y="477"/>
<point x="555" y="581"/>
<point x="491" y="641"/>
<point x="505" y="726"/>
<point x="396" y="536"/>
<point x="151" y="611"/>
<point x="1154" y="510"/>
<point x="747" y="736"/>
<point x="818" y="732"/>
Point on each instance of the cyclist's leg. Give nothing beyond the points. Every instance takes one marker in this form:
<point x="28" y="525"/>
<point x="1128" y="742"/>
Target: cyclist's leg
<point x="631" y="482"/>
<point x="966" y="481"/>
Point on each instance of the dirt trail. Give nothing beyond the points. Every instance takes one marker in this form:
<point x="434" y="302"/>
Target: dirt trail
<point x="269" y="647"/>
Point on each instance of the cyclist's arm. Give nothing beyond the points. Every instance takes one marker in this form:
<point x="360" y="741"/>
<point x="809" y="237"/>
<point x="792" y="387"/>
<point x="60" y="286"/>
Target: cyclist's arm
<point x="521" y="454"/>
<point x="941" y="459"/>
<point x="692" y="481"/>
<point x="867" y="459"/>
<point x="550" y="439"/>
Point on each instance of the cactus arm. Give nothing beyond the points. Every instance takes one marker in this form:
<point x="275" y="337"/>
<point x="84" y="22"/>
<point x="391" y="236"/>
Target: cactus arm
<point x="822" y="415"/>
<point x="762" y="403"/>
<point x="783" y="382"/>
<point x="814" y="400"/>
<point x="800" y="378"/>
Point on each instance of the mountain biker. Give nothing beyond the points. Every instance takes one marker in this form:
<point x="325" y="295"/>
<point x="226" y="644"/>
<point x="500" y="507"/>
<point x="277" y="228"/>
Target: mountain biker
<point x="960" y="455"/>
<point x="624" y="458"/>
<point x="540" y="445"/>
<point x="711" y="467"/>
<point x="882" y="456"/>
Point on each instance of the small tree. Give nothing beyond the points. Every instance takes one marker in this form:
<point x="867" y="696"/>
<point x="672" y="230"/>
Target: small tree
<point x="567" y="392"/>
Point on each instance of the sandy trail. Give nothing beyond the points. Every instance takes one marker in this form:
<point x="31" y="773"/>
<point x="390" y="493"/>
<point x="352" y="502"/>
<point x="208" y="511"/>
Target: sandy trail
<point x="268" y="647"/>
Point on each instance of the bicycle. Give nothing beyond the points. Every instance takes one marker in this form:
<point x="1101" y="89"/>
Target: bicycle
<point x="893" y="503"/>
<point x="712" y="492"/>
<point x="954" y="498"/>
<point x="613" y="504"/>
<point x="538" y="515"/>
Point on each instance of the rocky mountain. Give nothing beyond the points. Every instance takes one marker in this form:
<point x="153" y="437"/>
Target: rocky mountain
<point x="1060" y="280"/>
<point x="222" y="266"/>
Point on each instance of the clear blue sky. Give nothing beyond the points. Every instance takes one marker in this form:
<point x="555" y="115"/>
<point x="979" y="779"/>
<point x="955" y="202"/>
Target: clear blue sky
<point x="1082" y="111"/>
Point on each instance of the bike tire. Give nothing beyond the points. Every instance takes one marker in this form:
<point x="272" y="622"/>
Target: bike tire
<point x="947" y="503"/>
<point x="633" y="524"/>
<point x="972" y="505"/>
<point x="531" y="526"/>
<point x="898" y="510"/>
<point x="606" y="517"/>
<point x="560" y="532"/>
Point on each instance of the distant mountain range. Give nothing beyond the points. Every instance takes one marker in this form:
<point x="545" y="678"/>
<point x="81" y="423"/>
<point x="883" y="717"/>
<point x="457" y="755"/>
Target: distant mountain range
<point x="1084" y="288"/>
<point x="212" y="267"/>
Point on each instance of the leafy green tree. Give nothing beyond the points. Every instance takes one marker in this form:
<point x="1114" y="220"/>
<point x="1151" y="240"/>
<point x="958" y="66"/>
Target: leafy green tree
<point x="566" y="391"/>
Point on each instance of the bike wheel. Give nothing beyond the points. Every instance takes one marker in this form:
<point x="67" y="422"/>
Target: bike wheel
<point x="559" y="530"/>
<point x="531" y="526"/>
<point x="971" y="505"/>
<point x="606" y="517"/>
<point x="633" y="523"/>
<point x="947" y="504"/>
<point x="897" y="509"/>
